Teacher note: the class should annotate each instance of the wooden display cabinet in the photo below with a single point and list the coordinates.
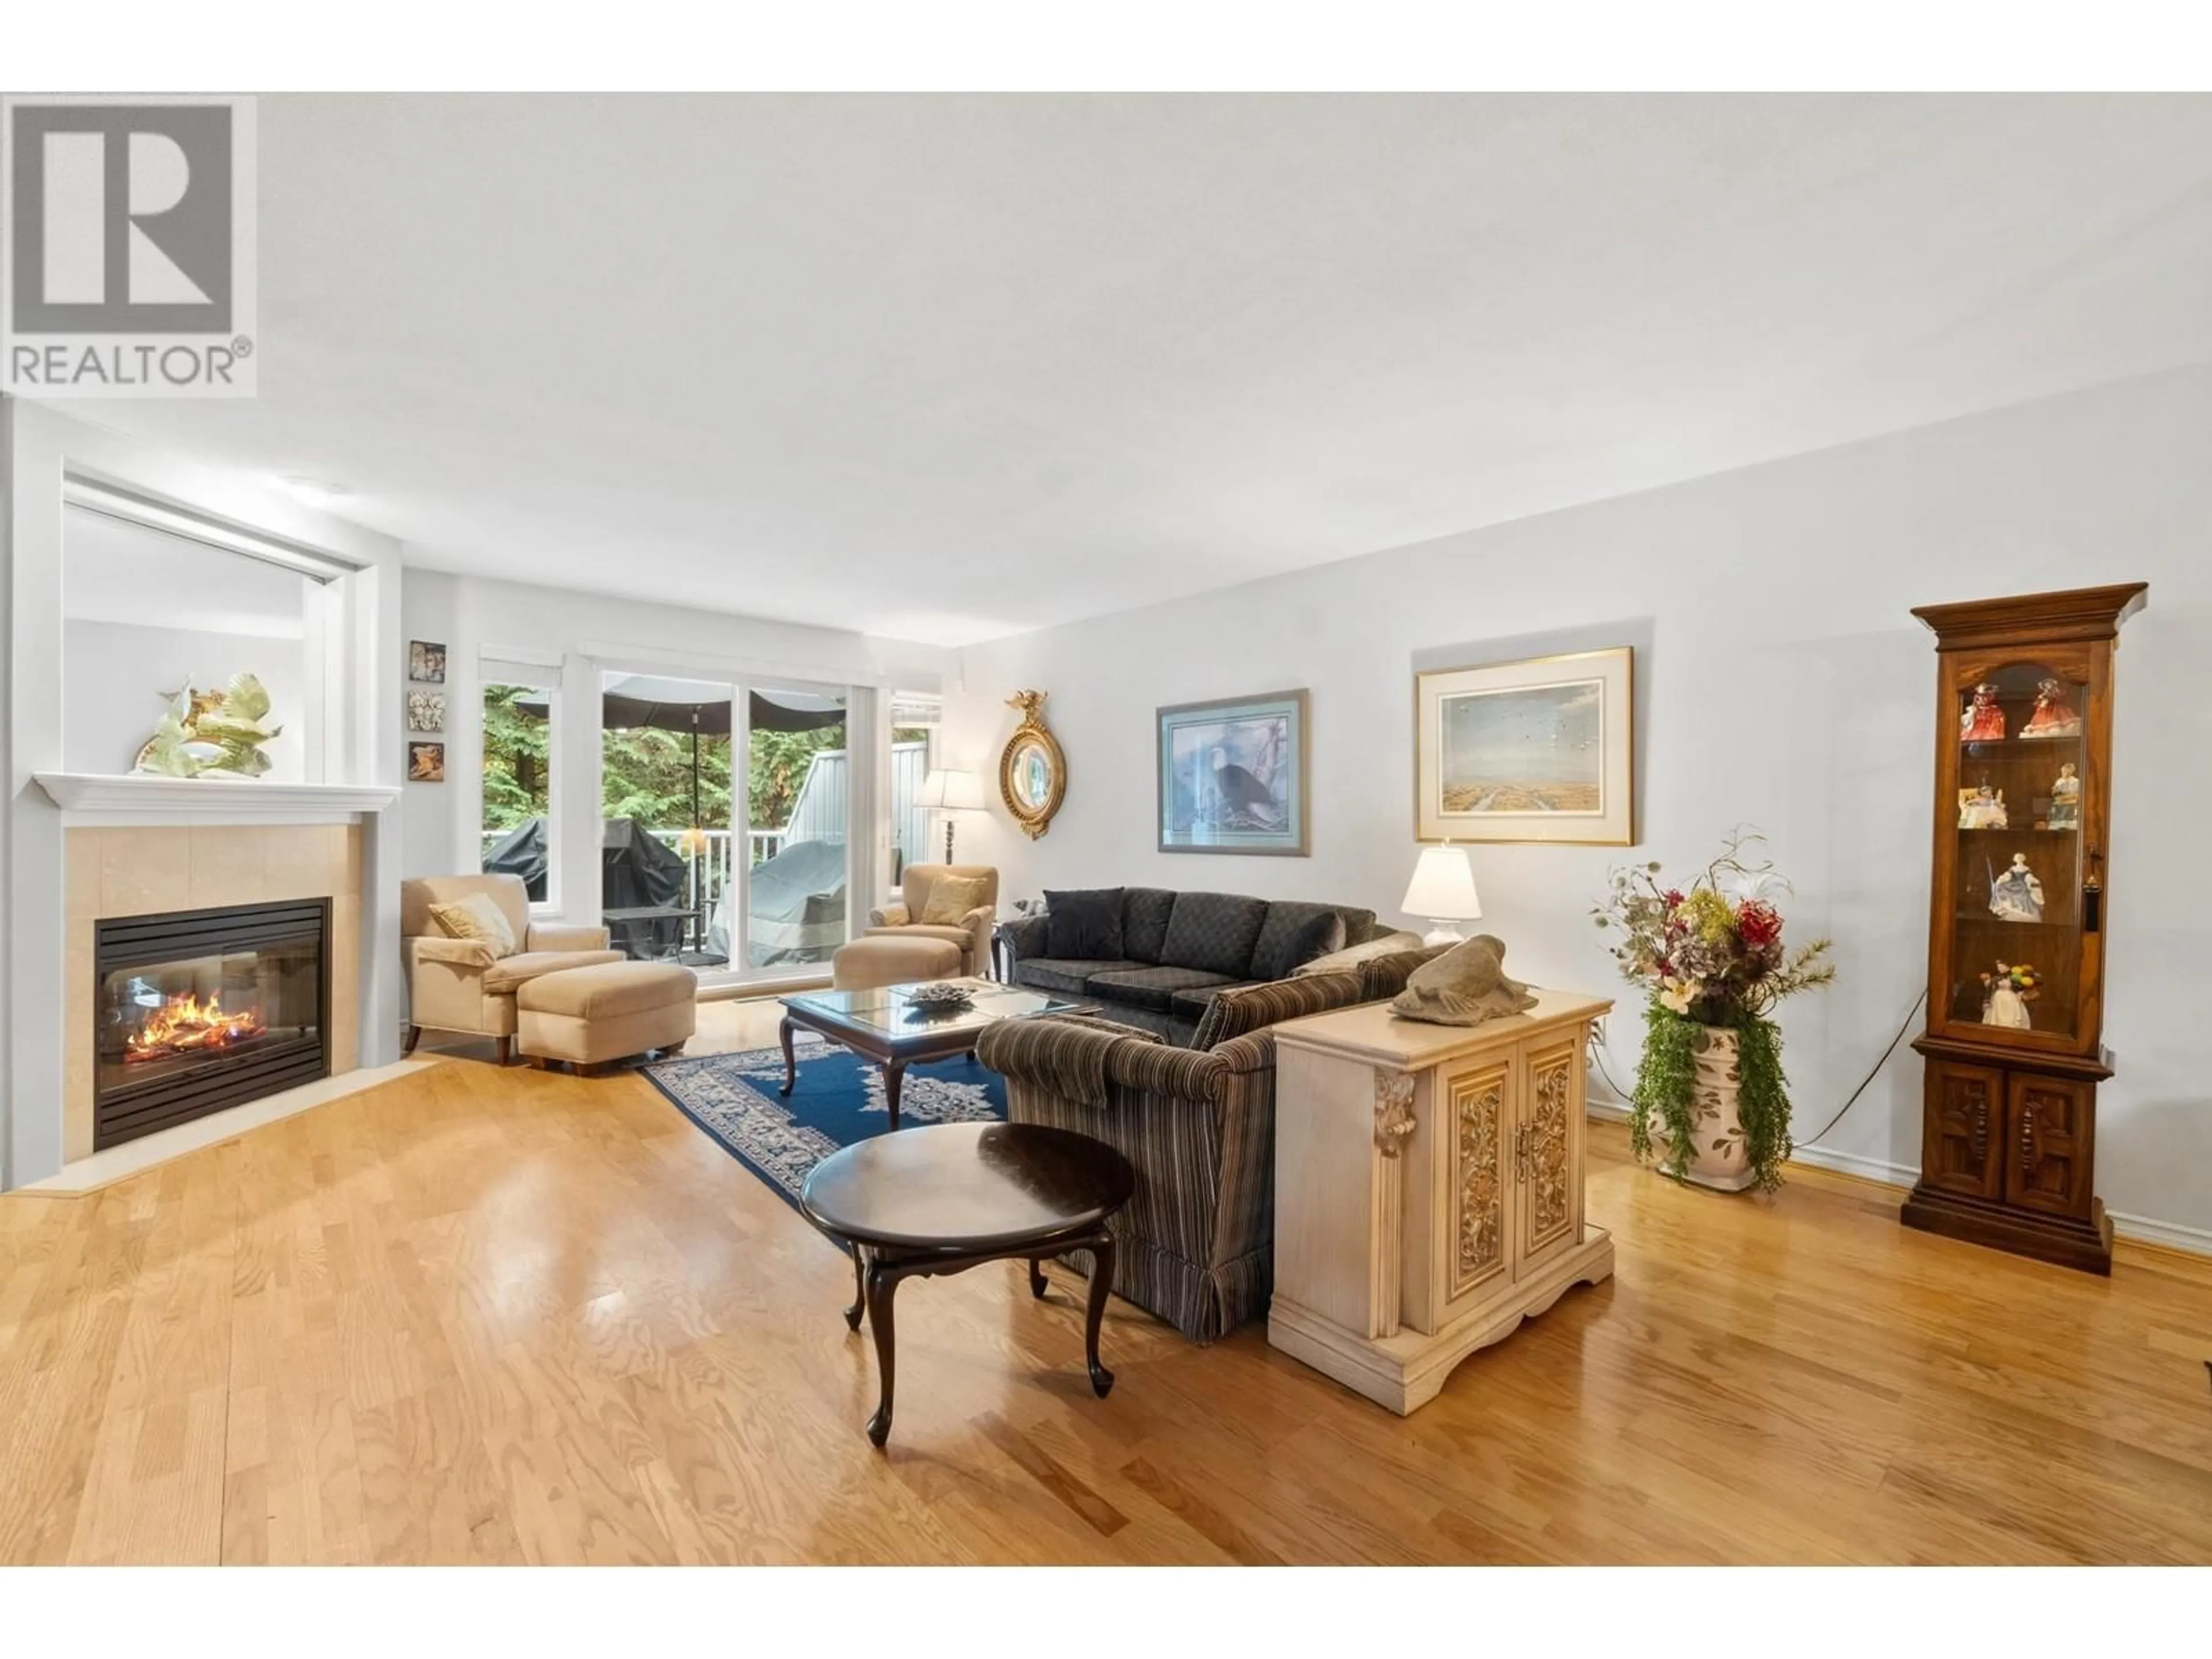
(2016, 942)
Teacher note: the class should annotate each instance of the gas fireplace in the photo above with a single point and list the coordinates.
(197, 1010)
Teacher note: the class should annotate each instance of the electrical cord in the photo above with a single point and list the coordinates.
(1597, 1059)
(1863, 1082)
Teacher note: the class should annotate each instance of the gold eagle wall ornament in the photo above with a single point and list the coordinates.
(1032, 770)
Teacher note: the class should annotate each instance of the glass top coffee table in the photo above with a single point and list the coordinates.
(885, 1026)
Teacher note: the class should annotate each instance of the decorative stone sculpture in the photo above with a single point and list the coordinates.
(1465, 986)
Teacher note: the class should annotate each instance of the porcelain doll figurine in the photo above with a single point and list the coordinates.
(1981, 808)
(2066, 799)
(1982, 721)
(2052, 716)
(2017, 896)
(2008, 991)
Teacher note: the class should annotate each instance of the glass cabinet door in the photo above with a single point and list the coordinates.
(2024, 884)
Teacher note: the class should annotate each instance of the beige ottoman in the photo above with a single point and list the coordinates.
(867, 963)
(589, 1016)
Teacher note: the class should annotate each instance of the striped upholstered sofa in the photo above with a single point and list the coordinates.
(1196, 1243)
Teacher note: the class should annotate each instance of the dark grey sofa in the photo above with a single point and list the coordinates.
(1176, 951)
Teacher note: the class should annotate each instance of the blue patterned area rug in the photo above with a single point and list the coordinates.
(838, 1099)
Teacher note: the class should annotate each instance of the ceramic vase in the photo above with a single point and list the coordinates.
(1719, 1156)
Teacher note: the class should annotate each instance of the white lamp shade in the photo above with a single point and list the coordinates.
(1443, 887)
(948, 791)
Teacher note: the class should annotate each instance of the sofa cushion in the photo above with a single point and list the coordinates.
(511, 972)
(959, 936)
(609, 990)
(1085, 925)
(1149, 988)
(1295, 934)
(1239, 1012)
(1191, 1005)
(1145, 914)
(1214, 931)
(1061, 975)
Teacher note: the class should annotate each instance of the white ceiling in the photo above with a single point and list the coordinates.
(946, 367)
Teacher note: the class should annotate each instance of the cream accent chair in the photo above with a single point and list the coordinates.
(457, 984)
(972, 935)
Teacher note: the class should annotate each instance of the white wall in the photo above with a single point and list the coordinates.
(574, 636)
(115, 674)
(1783, 684)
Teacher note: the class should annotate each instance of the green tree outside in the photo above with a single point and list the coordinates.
(646, 774)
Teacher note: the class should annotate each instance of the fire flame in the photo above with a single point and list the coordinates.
(185, 1024)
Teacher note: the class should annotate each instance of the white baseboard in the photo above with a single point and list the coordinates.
(2196, 1241)
(1874, 1169)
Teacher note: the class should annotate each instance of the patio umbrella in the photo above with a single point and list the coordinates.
(634, 701)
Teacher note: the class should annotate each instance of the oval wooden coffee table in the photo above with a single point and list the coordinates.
(942, 1198)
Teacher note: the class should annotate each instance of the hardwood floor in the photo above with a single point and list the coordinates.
(486, 1315)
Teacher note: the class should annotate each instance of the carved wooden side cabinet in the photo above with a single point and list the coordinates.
(2016, 937)
(1428, 1189)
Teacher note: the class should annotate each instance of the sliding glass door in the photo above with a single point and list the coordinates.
(665, 759)
(725, 825)
(799, 841)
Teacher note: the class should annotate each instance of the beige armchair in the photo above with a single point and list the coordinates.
(458, 984)
(972, 932)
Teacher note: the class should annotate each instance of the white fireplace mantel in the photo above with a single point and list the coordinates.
(139, 798)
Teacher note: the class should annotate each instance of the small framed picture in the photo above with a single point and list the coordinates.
(426, 711)
(426, 763)
(426, 662)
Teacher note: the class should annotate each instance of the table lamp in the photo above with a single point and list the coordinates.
(1442, 890)
(950, 791)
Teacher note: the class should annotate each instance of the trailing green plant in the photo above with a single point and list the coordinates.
(1710, 960)
(1762, 1103)
(1665, 1077)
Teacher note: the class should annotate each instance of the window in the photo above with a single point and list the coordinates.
(516, 832)
(914, 720)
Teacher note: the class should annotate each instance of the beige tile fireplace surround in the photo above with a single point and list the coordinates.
(141, 870)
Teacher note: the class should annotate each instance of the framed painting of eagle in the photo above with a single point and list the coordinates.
(1232, 776)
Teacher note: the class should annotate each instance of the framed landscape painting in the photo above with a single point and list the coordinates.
(1232, 776)
(1537, 750)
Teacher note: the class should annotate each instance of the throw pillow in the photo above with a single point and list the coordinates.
(1215, 932)
(478, 918)
(950, 899)
(1294, 934)
(1350, 958)
(1084, 927)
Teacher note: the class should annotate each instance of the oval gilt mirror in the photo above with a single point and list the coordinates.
(1032, 771)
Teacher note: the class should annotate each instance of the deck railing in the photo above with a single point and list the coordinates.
(710, 871)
